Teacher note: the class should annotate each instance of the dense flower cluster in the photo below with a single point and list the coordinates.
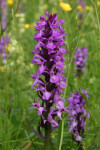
(3, 21)
(81, 58)
(49, 81)
(77, 114)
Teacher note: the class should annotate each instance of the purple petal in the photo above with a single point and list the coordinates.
(46, 95)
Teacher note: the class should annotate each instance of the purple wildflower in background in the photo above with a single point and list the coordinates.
(81, 56)
(77, 115)
(3, 14)
(3, 45)
(49, 81)
(80, 11)
(4, 40)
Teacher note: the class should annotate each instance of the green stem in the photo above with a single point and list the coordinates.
(61, 126)
(47, 138)
(60, 134)
(80, 146)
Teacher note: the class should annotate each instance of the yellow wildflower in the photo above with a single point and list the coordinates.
(8, 47)
(88, 7)
(98, 3)
(45, 5)
(79, 8)
(1, 69)
(53, 136)
(65, 6)
(10, 2)
(17, 15)
(26, 26)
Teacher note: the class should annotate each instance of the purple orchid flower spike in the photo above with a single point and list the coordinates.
(4, 40)
(3, 14)
(49, 81)
(81, 56)
(77, 115)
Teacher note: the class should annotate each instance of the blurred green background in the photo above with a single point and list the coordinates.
(16, 95)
